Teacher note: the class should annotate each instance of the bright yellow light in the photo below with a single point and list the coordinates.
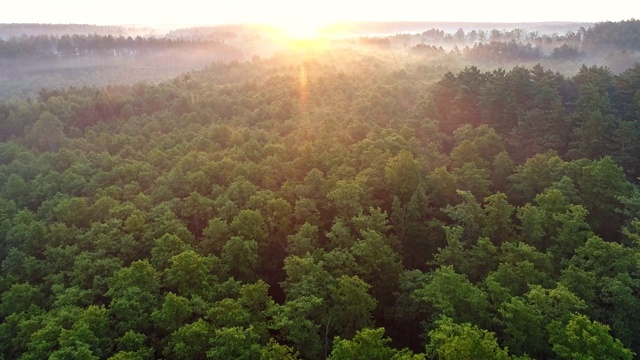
(301, 20)
(300, 28)
(304, 89)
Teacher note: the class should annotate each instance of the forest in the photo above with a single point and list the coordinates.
(353, 200)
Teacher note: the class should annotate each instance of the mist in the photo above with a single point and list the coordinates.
(34, 56)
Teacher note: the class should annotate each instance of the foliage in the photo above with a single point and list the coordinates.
(292, 206)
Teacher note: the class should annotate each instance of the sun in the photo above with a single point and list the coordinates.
(299, 28)
(301, 20)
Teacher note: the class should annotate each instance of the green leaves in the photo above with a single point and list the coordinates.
(190, 341)
(240, 256)
(234, 343)
(351, 305)
(347, 198)
(452, 341)
(47, 133)
(250, 225)
(294, 322)
(368, 344)
(452, 295)
(191, 274)
(174, 312)
(584, 339)
(403, 175)
(214, 216)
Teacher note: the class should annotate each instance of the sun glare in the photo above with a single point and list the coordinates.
(300, 29)
(301, 22)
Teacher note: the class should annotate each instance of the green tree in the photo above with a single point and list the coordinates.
(498, 224)
(294, 323)
(165, 248)
(529, 320)
(594, 125)
(627, 148)
(47, 133)
(92, 271)
(524, 328)
(234, 343)
(164, 223)
(409, 225)
(240, 256)
(369, 344)
(535, 175)
(502, 168)
(541, 128)
(16, 189)
(131, 309)
(351, 306)
(555, 225)
(306, 240)
(250, 224)
(173, 313)
(451, 341)
(472, 178)
(340, 235)
(474, 261)
(275, 351)
(25, 234)
(603, 274)
(441, 186)
(452, 295)
(514, 278)
(197, 209)
(139, 274)
(190, 341)
(305, 277)
(402, 175)
(584, 339)
(19, 298)
(378, 265)
(214, 236)
(469, 216)
(347, 198)
(132, 346)
(191, 274)
(603, 186)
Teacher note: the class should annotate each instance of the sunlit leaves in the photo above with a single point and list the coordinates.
(368, 344)
(453, 341)
(582, 338)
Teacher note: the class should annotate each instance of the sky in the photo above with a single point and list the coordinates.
(312, 12)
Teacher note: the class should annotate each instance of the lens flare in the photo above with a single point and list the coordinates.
(304, 89)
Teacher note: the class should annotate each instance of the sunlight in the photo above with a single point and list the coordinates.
(304, 90)
(301, 22)
(300, 28)
(302, 33)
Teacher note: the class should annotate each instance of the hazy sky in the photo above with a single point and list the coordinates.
(315, 12)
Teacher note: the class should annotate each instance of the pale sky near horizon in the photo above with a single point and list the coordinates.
(146, 12)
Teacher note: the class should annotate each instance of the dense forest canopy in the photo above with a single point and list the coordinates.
(357, 199)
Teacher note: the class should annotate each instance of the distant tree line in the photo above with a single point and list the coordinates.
(17, 29)
(520, 44)
(622, 35)
(79, 46)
